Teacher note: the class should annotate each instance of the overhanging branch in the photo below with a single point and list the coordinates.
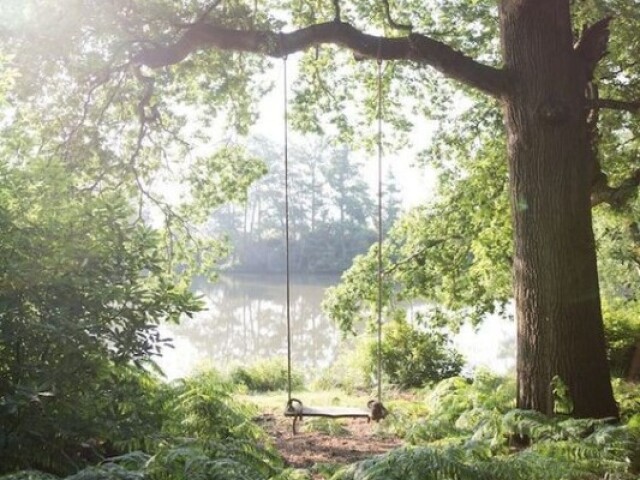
(612, 104)
(414, 47)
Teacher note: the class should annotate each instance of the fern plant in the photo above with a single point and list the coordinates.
(213, 460)
(415, 463)
(467, 433)
(203, 407)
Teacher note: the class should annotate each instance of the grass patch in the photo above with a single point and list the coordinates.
(328, 426)
(270, 402)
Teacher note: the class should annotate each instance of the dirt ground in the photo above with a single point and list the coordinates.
(351, 440)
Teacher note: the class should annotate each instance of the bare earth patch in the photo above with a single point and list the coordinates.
(354, 440)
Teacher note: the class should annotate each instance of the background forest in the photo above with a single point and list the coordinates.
(332, 212)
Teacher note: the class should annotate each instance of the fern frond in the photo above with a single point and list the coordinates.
(132, 460)
(530, 465)
(415, 463)
(29, 475)
(577, 428)
(529, 424)
(108, 471)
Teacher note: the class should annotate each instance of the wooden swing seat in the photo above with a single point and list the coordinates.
(298, 411)
(330, 412)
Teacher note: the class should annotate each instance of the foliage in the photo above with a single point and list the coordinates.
(628, 398)
(265, 376)
(618, 257)
(327, 426)
(453, 253)
(29, 475)
(201, 432)
(462, 429)
(472, 431)
(75, 90)
(205, 434)
(212, 459)
(202, 407)
(82, 292)
(414, 355)
(351, 371)
(458, 408)
(622, 329)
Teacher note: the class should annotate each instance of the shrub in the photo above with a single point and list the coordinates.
(266, 376)
(86, 294)
(203, 407)
(414, 356)
(622, 331)
(628, 397)
(61, 431)
(351, 371)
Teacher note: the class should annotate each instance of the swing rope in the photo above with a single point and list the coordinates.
(379, 303)
(286, 223)
(381, 413)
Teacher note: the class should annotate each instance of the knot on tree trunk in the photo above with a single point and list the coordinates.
(553, 112)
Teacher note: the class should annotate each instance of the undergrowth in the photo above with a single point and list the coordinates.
(204, 434)
(471, 430)
(458, 430)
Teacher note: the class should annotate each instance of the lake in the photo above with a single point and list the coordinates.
(245, 321)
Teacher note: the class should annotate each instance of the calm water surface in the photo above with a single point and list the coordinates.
(245, 321)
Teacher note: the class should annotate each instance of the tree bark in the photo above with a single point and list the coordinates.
(633, 373)
(560, 329)
(415, 47)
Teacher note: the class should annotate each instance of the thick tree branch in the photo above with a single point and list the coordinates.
(592, 45)
(392, 23)
(612, 104)
(415, 47)
(336, 8)
(618, 196)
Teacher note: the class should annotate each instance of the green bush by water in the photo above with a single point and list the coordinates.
(412, 356)
(266, 376)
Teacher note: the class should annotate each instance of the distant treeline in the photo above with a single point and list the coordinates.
(332, 213)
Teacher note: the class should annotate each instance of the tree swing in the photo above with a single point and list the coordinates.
(375, 410)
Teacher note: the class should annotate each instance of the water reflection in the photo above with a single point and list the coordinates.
(245, 320)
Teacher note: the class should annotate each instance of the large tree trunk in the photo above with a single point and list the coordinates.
(560, 330)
